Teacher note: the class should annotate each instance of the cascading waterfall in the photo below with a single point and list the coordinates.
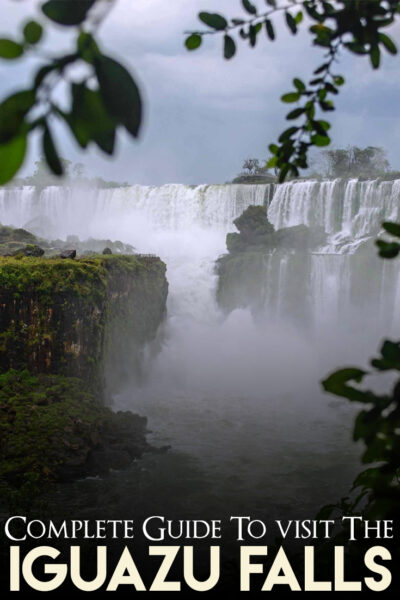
(241, 395)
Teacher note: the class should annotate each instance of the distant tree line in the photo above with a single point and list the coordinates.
(356, 162)
(368, 163)
(73, 173)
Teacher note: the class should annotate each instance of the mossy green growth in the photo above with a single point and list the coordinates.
(52, 428)
(46, 421)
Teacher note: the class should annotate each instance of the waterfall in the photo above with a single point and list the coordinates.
(84, 210)
(240, 393)
(187, 226)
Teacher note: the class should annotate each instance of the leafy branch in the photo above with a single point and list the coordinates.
(343, 24)
(96, 110)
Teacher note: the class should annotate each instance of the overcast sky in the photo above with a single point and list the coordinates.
(204, 115)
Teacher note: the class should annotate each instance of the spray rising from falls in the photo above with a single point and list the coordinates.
(222, 387)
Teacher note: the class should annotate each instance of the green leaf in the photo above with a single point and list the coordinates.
(320, 127)
(320, 140)
(388, 43)
(375, 56)
(50, 152)
(229, 47)
(120, 93)
(339, 80)
(392, 228)
(272, 162)
(291, 23)
(388, 249)
(10, 49)
(214, 20)
(67, 12)
(89, 120)
(283, 173)
(12, 156)
(326, 106)
(270, 29)
(273, 148)
(337, 384)
(193, 41)
(12, 114)
(391, 352)
(87, 47)
(287, 134)
(249, 7)
(290, 97)
(294, 114)
(299, 84)
(33, 32)
(321, 69)
(298, 18)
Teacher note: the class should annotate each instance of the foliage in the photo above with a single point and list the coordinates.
(73, 173)
(54, 429)
(378, 427)
(103, 100)
(251, 165)
(44, 421)
(343, 25)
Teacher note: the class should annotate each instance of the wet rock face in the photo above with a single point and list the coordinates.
(73, 317)
(254, 259)
(257, 233)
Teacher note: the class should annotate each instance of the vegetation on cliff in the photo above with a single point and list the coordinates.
(64, 325)
(53, 428)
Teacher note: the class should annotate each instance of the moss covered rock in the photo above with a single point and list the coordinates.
(58, 315)
(52, 428)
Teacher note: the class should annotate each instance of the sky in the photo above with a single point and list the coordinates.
(204, 115)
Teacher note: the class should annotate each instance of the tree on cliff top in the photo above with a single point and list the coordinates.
(251, 165)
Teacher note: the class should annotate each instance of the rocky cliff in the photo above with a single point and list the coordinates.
(70, 317)
(258, 256)
(68, 328)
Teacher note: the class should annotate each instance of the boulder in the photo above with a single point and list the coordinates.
(253, 223)
(29, 250)
(68, 254)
